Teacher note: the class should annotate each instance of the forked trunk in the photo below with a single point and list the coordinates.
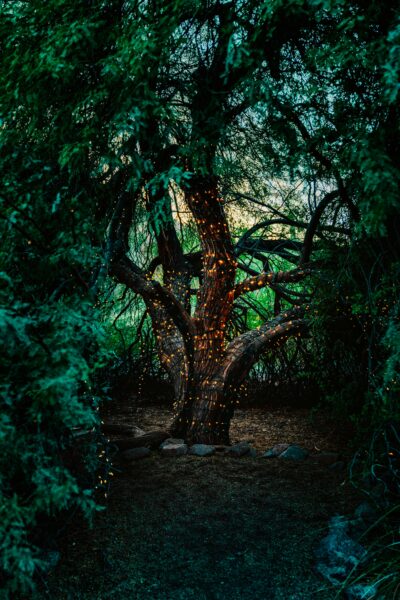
(205, 408)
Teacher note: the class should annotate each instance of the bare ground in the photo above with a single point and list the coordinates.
(214, 528)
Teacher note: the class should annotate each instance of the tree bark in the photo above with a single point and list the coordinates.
(205, 414)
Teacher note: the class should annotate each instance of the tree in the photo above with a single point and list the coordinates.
(206, 69)
(208, 102)
(223, 85)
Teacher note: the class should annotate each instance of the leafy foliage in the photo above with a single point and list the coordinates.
(51, 337)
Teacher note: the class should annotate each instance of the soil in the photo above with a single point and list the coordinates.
(217, 528)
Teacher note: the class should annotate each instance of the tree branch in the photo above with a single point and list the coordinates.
(293, 117)
(312, 227)
(126, 272)
(266, 279)
(285, 220)
(243, 352)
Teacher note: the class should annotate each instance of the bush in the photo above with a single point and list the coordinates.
(51, 347)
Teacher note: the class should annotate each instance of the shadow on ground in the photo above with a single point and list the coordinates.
(216, 528)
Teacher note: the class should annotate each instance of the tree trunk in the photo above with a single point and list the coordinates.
(204, 414)
(206, 407)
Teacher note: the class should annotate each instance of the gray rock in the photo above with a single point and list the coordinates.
(239, 449)
(268, 454)
(135, 454)
(275, 451)
(361, 591)
(171, 441)
(174, 449)
(338, 554)
(294, 453)
(202, 450)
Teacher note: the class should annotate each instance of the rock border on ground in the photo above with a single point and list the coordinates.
(202, 450)
(173, 447)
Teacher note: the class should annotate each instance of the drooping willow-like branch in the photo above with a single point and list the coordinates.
(285, 220)
(312, 227)
(319, 156)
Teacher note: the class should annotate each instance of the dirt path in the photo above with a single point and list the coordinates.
(214, 528)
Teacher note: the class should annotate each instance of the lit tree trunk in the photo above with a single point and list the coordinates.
(207, 408)
(218, 369)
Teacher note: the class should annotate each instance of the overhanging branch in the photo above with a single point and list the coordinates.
(323, 160)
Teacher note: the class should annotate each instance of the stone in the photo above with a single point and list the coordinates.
(202, 450)
(294, 453)
(135, 454)
(174, 449)
(338, 554)
(239, 449)
(171, 441)
(361, 591)
(275, 451)
(268, 454)
(326, 458)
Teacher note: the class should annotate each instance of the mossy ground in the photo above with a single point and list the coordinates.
(214, 528)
